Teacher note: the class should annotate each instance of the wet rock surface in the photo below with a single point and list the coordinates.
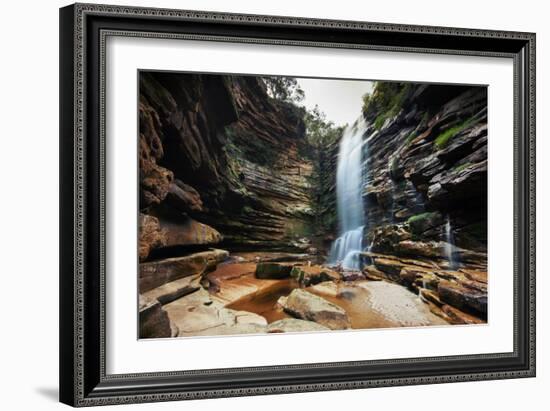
(241, 303)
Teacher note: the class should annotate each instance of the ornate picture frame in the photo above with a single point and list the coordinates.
(84, 29)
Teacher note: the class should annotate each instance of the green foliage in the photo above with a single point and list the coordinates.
(419, 217)
(443, 139)
(380, 120)
(320, 132)
(385, 101)
(284, 88)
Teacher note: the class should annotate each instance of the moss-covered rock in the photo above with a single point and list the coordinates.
(421, 223)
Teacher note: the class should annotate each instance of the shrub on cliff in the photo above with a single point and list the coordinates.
(385, 101)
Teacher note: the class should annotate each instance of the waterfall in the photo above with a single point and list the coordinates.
(449, 239)
(351, 212)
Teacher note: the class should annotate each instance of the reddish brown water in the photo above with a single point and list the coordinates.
(368, 304)
(264, 302)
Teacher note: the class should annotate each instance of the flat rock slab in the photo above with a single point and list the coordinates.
(198, 315)
(225, 272)
(399, 305)
(292, 325)
(274, 257)
(171, 291)
(156, 273)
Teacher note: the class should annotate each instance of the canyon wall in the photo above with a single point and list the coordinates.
(426, 162)
(220, 163)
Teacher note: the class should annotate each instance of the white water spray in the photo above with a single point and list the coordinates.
(351, 212)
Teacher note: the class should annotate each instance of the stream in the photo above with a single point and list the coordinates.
(368, 304)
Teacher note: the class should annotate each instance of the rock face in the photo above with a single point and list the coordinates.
(427, 164)
(225, 138)
(223, 164)
(307, 306)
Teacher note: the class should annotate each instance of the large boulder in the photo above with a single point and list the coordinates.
(153, 320)
(156, 273)
(308, 275)
(173, 290)
(189, 232)
(292, 325)
(307, 306)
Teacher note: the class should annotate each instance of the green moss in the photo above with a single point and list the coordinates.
(462, 167)
(418, 217)
(380, 120)
(411, 137)
(419, 223)
(443, 139)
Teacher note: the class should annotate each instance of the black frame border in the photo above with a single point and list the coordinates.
(83, 30)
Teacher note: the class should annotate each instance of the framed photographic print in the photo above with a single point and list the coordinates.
(259, 204)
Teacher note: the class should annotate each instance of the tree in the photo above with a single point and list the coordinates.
(284, 88)
(320, 132)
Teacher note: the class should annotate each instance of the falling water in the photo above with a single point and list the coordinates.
(449, 239)
(351, 212)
